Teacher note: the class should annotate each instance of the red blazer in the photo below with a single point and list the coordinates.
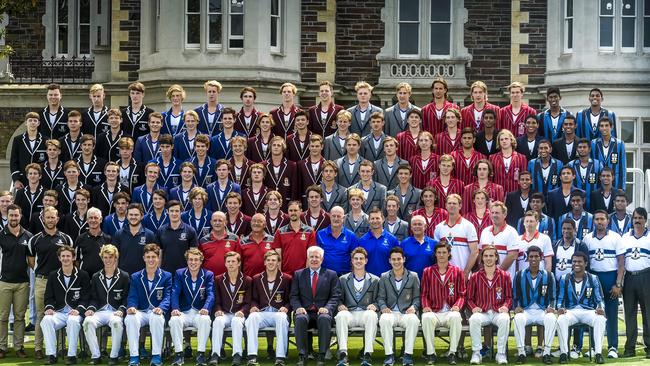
(515, 123)
(508, 179)
(468, 120)
(240, 123)
(422, 175)
(280, 222)
(232, 302)
(407, 146)
(277, 297)
(494, 191)
(254, 151)
(281, 127)
(444, 144)
(439, 215)
(243, 180)
(464, 168)
(249, 205)
(489, 296)
(285, 182)
(323, 127)
(241, 226)
(487, 221)
(307, 177)
(322, 222)
(296, 153)
(430, 120)
(436, 292)
(455, 186)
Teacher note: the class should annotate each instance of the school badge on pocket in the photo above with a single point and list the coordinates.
(159, 295)
(499, 293)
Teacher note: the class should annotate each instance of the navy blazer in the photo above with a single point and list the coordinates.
(328, 290)
(144, 298)
(184, 297)
(522, 147)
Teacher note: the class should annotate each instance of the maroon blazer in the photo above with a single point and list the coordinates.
(322, 222)
(285, 182)
(280, 222)
(244, 179)
(296, 153)
(281, 127)
(241, 226)
(307, 177)
(240, 123)
(232, 302)
(323, 127)
(254, 150)
(249, 205)
(277, 297)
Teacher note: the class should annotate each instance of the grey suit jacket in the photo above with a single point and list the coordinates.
(332, 149)
(408, 295)
(376, 196)
(344, 177)
(339, 197)
(368, 150)
(400, 229)
(393, 122)
(362, 126)
(410, 203)
(360, 228)
(367, 296)
(383, 176)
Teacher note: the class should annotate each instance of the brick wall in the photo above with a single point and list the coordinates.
(26, 33)
(359, 38)
(10, 119)
(132, 46)
(536, 47)
(487, 37)
(309, 46)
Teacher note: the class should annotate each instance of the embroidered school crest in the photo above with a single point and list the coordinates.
(635, 253)
(227, 244)
(588, 292)
(118, 296)
(562, 264)
(240, 297)
(175, 180)
(97, 179)
(451, 289)
(450, 239)
(304, 237)
(267, 246)
(183, 236)
(278, 297)
(143, 240)
(554, 179)
(202, 293)
(614, 158)
(76, 295)
(286, 182)
(544, 287)
(499, 293)
(599, 254)
(159, 295)
(592, 178)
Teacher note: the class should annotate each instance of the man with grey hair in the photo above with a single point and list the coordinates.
(337, 242)
(89, 243)
(315, 294)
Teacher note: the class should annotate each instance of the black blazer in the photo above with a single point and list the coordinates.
(513, 203)
(555, 204)
(328, 291)
(597, 201)
(479, 144)
(115, 295)
(522, 147)
(559, 150)
(99, 198)
(76, 295)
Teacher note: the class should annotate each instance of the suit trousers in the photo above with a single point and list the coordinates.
(190, 318)
(478, 320)
(97, 320)
(134, 322)
(15, 294)
(51, 323)
(535, 316)
(366, 319)
(607, 281)
(450, 319)
(634, 295)
(322, 322)
(39, 300)
(236, 324)
(263, 319)
(410, 322)
(584, 316)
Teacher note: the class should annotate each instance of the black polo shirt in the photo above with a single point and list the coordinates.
(15, 268)
(174, 244)
(44, 248)
(87, 247)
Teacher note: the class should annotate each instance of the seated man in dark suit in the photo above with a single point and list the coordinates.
(315, 294)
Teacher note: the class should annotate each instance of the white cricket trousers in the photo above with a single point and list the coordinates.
(138, 320)
(51, 323)
(190, 318)
(448, 319)
(236, 324)
(583, 316)
(535, 316)
(478, 320)
(366, 319)
(99, 319)
(264, 319)
(409, 322)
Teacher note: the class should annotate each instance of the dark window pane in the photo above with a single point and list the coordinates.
(440, 39)
(237, 26)
(606, 7)
(627, 131)
(569, 8)
(62, 11)
(409, 10)
(570, 34)
(646, 161)
(275, 8)
(646, 132)
(647, 7)
(440, 10)
(606, 28)
(627, 38)
(214, 6)
(194, 29)
(193, 6)
(236, 6)
(408, 39)
(214, 32)
(63, 39)
(646, 32)
(84, 39)
(629, 7)
(236, 43)
(84, 11)
(274, 32)
(629, 162)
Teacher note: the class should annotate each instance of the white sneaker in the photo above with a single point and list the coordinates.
(574, 354)
(539, 352)
(591, 353)
(476, 358)
(528, 350)
(502, 359)
(613, 353)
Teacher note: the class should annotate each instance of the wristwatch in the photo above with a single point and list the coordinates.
(619, 285)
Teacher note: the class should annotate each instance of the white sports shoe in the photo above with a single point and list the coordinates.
(613, 353)
(476, 358)
(502, 359)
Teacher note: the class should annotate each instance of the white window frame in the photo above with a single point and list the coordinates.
(418, 54)
(600, 18)
(213, 46)
(78, 29)
(186, 16)
(58, 25)
(424, 23)
(634, 18)
(646, 22)
(231, 14)
(569, 23)
(278, 27)
(73, 8)
(451, 29)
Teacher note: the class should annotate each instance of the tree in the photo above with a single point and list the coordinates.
(12, 8)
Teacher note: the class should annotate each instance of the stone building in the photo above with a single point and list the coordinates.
(572, 44)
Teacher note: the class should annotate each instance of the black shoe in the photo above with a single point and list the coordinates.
(628, 353)
(200, 359)
(546, 359)
(113, 361)
(343, 359)
(302, 360)
(179, 360)
(431, 359)
(236, 359)
(188, 352)
(21, 353)
(366, 360)
(389, 360)
(321, 360)
(214, 359)
(521, 359)
(599, 359)
(279, 361)
(564, 358)
(407, 360)
(38, 354)
(72, 360)
(50, 360)
(252, 361)
(452, 358)
(270, 353)
(30, 327)
(95, 361)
